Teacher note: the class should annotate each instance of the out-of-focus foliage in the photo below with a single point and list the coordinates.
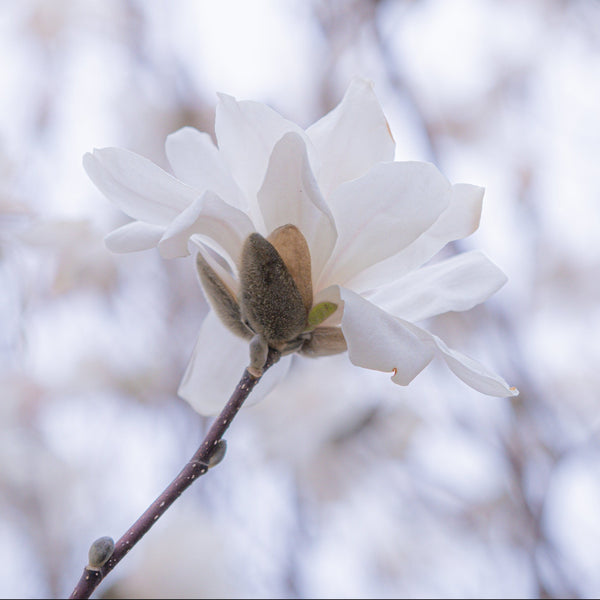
(340, 484)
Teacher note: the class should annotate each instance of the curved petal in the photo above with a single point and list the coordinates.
(469, 370)
(352, 137)
(377, 340)
(459, 220)
(134, 237)
(196, 161)
(290, 195)
(458, 283)
(381, 213)
(137, 186)
(473, 373)
(211, 217)
(216, 366)
(246, 133)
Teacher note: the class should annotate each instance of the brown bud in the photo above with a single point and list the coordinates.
(270, 301)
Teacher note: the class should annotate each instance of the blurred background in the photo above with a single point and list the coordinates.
(340, 484)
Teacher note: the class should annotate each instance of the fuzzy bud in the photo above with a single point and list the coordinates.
(100, 551)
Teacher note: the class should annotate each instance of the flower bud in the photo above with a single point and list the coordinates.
(270, 301)
(218, 454)
(100, 551)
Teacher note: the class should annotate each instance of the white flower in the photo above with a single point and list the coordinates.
(370, 224)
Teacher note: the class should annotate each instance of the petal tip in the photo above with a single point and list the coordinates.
(394, 377)
(362, 81)
(88, 159)
(108, 243)
(223, 98)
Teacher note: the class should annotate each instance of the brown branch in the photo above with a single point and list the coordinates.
(198, 465)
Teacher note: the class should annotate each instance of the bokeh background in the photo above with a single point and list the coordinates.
(340, 484)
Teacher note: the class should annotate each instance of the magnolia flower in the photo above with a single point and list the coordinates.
(309, 241)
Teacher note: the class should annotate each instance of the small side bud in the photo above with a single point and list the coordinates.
(218, 454)
(100, 551)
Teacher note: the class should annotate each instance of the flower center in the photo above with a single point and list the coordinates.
(274, 306)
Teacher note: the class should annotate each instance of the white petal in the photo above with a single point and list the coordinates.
(458, 284)
(137, 186)
(459, 220)
(246, 134)
(472, 372)
(211, 217)
(134, 237)
(377, 340)
(195, 160)
(352, 137)
(290, 195)
(381, 213)
(217, 365)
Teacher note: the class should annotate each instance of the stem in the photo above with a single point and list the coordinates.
(198, 465)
